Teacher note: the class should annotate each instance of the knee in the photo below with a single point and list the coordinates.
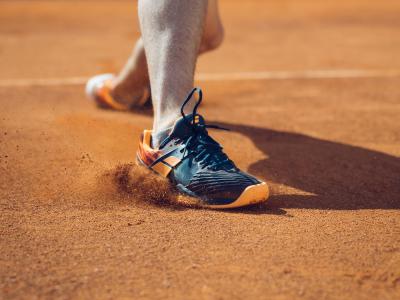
(212, 41)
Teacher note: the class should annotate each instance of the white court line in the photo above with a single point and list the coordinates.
(234, 76)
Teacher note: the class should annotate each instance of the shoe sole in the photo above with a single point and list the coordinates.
(253, 194)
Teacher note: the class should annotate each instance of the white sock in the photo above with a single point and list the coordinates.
(159, 137)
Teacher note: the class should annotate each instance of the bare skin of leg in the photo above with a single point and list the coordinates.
(171, 32)
(131, 82)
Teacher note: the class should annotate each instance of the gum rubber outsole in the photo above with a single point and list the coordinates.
(253, 194)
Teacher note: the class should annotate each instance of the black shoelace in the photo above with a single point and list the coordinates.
(206, 151)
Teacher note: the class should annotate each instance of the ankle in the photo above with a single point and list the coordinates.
(157, 137)
(163, 123)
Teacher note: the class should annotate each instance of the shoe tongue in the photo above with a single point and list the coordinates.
(182, 129)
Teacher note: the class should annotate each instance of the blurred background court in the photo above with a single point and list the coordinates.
(311, 90)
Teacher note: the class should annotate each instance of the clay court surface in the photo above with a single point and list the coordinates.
(74, 225)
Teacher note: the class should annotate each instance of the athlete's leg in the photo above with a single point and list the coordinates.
(131, 82)
(213, 33)
(171, 31)
(193, 162)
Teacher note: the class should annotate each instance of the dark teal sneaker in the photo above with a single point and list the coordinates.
(195, 163)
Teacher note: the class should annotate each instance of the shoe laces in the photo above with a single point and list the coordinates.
(206, 151)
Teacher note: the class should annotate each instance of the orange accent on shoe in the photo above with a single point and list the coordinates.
(147, 138)
(147, 154)
(162, 169)
(172, 161)
(104, 97)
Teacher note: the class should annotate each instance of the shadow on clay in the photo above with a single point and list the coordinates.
(338, 176)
